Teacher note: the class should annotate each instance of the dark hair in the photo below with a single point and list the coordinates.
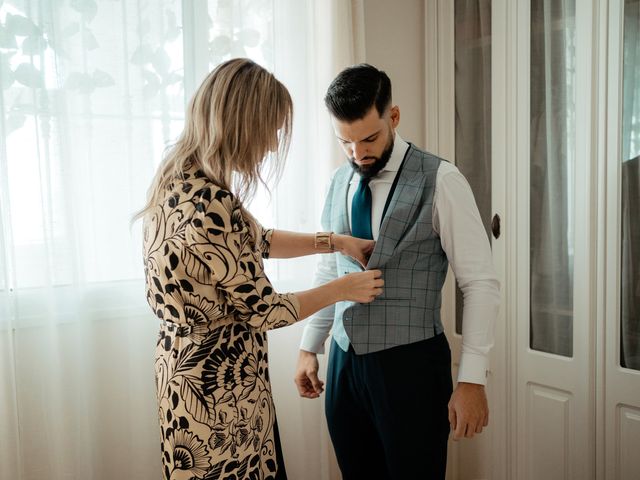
(355, 90)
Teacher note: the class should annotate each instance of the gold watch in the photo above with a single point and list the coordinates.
(322, 241)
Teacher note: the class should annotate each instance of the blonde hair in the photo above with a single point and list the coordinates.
(240, 115)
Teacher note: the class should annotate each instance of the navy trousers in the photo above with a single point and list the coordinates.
(387, 410)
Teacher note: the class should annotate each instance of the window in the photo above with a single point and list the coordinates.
(552, 156)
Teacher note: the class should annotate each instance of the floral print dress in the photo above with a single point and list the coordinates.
(206, 283)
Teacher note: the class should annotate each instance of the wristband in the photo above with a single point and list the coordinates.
(322, 241)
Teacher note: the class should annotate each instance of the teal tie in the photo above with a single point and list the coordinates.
(361, 228)
(361, 211)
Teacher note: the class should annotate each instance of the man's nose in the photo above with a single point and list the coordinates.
(359, 151)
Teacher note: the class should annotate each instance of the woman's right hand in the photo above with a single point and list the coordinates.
(361, 287)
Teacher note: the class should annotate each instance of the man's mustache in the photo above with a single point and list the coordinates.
(366, 158)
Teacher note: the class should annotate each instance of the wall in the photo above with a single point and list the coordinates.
(394, 42)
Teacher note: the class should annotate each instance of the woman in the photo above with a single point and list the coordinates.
(205, 280)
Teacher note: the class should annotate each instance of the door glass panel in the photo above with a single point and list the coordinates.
(473, 107)
(630, 281)
(552, 153)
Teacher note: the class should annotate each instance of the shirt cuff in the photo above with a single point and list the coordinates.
(473, 368)
(313, 340)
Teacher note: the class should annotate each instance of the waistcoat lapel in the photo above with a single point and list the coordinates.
(340, 220)
(405, 201)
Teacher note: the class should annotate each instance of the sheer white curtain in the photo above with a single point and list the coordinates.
(473, 108)
(90, 93)
(630, 281)
(552, 166)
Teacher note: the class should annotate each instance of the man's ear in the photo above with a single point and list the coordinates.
(394, 115)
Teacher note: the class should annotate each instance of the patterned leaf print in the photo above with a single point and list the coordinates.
(217, 220)
(173, 312)
(242, 468)
(158, 285)
(244, 288)
(173, 261)
(243, 433)
(193, 354)
(186, 286)
(215, 472)
(194, 400)
(155, 230)
(195, 268)
(228, 398)
(186, 187)
(173, 200)
(162, 376)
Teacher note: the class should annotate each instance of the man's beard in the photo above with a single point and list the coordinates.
(370, 171)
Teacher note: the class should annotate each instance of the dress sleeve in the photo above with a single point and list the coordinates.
(219, 237)
(264, 245)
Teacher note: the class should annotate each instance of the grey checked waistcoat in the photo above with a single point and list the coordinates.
(409, 253)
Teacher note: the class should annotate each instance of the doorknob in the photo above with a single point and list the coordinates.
(495, 226)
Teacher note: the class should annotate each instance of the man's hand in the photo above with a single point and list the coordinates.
(309, 386)
(468, 410)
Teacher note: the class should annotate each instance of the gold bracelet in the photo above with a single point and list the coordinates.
(322, 241)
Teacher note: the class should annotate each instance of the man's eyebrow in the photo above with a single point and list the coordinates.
(364, 139)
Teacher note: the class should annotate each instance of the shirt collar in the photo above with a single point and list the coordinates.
(397, 154)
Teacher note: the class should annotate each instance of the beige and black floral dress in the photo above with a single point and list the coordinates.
(205, 281)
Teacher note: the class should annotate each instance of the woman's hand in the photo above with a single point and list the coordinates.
(357, 248)
(361, 287)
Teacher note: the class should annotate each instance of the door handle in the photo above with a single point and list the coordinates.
(495, 226)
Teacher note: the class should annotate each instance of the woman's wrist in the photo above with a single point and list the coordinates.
(337, 241)
(337, 290)
(324, 242)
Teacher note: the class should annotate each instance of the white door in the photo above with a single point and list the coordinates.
(559, 383)
(553, 298)
(542, 186)
(519, 151)
(621, 257)
(564, 178)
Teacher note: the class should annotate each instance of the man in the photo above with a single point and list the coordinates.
(389, 402)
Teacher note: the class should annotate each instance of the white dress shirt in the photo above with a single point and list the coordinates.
(457, 221)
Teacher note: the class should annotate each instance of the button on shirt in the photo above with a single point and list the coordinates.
(457, 221)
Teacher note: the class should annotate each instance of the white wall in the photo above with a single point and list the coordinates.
(394, 42)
